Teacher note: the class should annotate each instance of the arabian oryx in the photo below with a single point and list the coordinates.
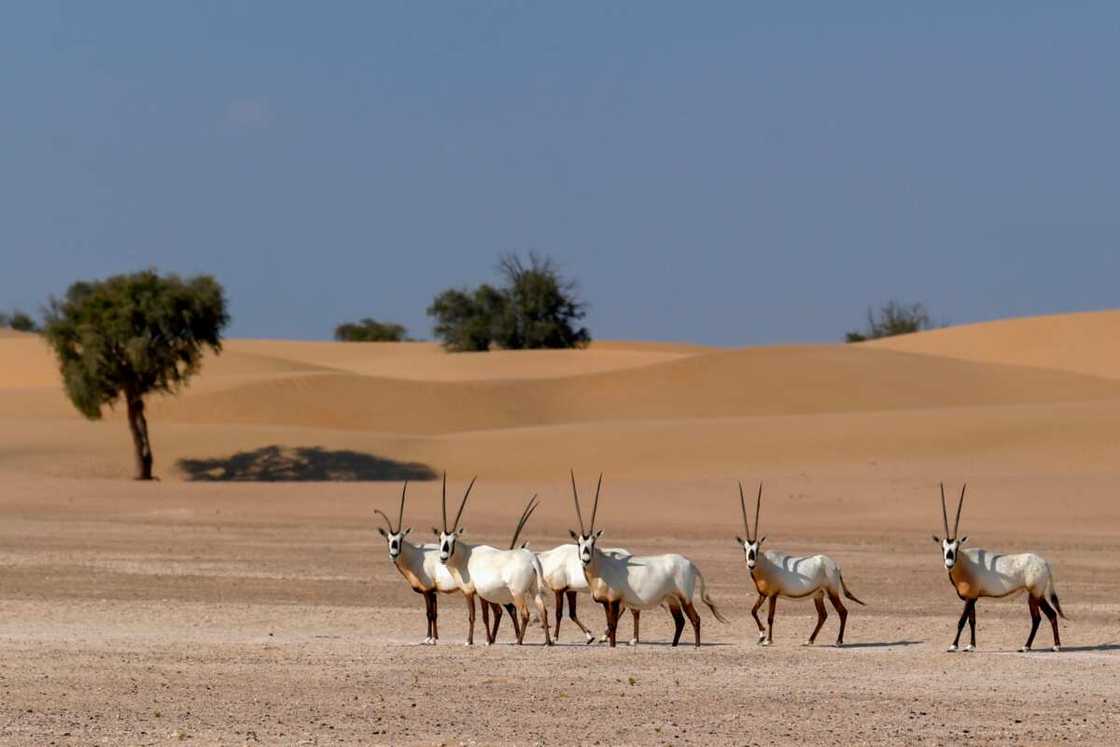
(497, 576)
(978, 573)
(563, 573)
(420, 566)
(639, 582)
(776, 574)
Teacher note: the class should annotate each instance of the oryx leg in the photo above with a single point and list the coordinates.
(678, 622)
(822, 615)
(486, 622)
(972, 626)
(614, 609)
(637, 614)
(1036, 618)
(518, 627)
(470, 619)
(497, 610)
(427, 618)
(523, 609)
(1053, 617)
(572, 614)
(543, 612)
(434, 615)
(559, 612)
(960, 623)
(770, 620)
(843, 612)
(694, 616)
(754, 613)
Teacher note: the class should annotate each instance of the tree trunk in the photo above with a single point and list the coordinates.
(138, 425)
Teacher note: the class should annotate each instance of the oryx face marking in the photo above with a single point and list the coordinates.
(950, 550)
(586, 545)
(447, 545)
(751, 550)
(394, 540)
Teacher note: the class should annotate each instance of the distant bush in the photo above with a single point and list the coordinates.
(19, 321)
(892, 318)
(535, 307)
(370, 330)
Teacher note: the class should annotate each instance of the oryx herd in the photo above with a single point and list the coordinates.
(517, 579)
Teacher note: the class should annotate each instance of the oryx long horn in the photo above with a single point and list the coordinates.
(386, 518)
(944, 512)
(400, 516)
(757, 506)
(575, 495)
(743, 505)
(530, 507)
(595, 508)
(464, 503)
(957, 523)
(445, 501)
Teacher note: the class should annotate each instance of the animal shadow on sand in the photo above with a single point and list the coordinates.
(1098, 647)
(882, 644)
(302, 464)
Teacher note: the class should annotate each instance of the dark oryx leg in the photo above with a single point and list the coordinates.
(960, 623)
(694, 616)
(843, 612)
(1053, 617)
(637, 614)
(433, 605)
(525, 623)
(518, 628)
(572, 614)
(497, 610)
(614, 609)
(559, 613)
(470, 618)
(678, 621)
(427, 616)
(822, 615)
(770, 620)
(972, 626)
(754, 613)
(1036, 618)
(486, 622)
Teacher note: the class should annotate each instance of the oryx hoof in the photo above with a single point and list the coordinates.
(839, 644)
(969, 648)
(1024, 649)
(1056, 649)
(765, 642)
(633, 642)
(952, 649)
(809, 642)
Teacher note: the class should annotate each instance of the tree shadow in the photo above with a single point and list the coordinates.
(302, 464)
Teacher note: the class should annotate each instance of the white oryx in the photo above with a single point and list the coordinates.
(639, 582)
(563, 573)
(420, 566)
(776, 574)
(976, 573)
(500, 577)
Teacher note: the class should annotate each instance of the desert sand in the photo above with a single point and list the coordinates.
(247, 598)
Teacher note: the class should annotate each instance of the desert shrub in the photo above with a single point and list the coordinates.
(892, 318)
(19, 321)
(129, 336)
(535, 307)
(370, 330)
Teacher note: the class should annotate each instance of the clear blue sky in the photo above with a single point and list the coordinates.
(732, 173)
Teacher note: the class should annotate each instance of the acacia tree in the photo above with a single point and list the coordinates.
(370, 330)
(129, 336)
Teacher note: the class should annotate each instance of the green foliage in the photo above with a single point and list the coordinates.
(534, 308)
(893, 318)
(19, 321)
(130, 335)
(370, 330)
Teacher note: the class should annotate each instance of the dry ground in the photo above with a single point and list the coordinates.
(214, 608)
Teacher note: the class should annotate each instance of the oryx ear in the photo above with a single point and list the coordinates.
(407, 532)
(599, 534)
(435, 531)
(762, 540)
(738, 540)
(461, 531)
(962, 540)
(574, 535)
(936, 538)
(382, 532)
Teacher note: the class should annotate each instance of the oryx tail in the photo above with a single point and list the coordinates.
(848, 592)
(1054, 592)
(707, 599)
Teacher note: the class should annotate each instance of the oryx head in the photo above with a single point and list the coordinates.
(950, 546)
(587, 536)
(451, 533)
(752, 545)
(394, 537)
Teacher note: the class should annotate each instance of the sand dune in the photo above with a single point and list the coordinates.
(1084, 343)
(1040, 387)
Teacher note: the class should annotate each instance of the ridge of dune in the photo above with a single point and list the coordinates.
(751, 381)
(1082, 342)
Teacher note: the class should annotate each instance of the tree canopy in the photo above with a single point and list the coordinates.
(128, 336)
(892, 318)
(370, 330)
(534, 307)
